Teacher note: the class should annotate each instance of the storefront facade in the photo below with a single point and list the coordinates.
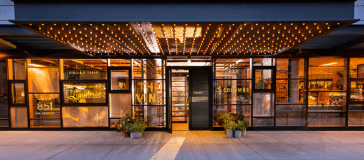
(180, 71)
(272, 93)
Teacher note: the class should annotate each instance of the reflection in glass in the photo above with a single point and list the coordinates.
(262, 61)
(44, 106)
(356, 115)
(120, 104)
(119, 80)
(43, 63)
(290, 68)
(264, 105)
(85, 116)
(326, 119)
(43, 80)
(263, 79)
(85, 69)
(232, 92)
(19, 69)
(18, 95)
(232, 69)
(18, 117)
(290, 115)
(263, 122)
(119, 62)
(356, 67)
(84, 92)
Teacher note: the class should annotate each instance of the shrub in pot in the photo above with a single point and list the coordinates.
(240, 128)
(136, 128)
(122, 123)
(229, 124)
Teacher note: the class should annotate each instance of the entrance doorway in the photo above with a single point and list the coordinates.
(189, 98)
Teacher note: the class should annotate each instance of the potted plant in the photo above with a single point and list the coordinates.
(240, 129)
(122, 123)
(229, 124)
(136, 128)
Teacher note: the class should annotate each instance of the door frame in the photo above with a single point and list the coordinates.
(169, 90)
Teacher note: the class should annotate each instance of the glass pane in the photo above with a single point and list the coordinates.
(356, 115)
(326, 101)
(18, 117)
(43, 63)
(356, 67)
(262, 61)
(263, 122)
(356, 91)
(113, 122)
(263, 104)
(232, 69)
(120, 104)
(243, 109)
(290, 91)
(4, 112)
(19, 69)
(85, 69)
(18, 94)
(148, 92)
(290, 115)
(290, 68)
(326, 119)
(137, 69)
(44, 106)
(263, 78)
(85, 116)
(232, 91)
(43, 80)
(153, 68)
(84, 92)
(156, 116)
(327, 73)
(119, 62)
(4, 123)
(119, 79)
(48, 123)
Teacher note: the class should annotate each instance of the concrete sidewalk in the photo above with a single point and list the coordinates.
(182, 145)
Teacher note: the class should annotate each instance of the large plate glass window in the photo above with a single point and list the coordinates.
(82, 92)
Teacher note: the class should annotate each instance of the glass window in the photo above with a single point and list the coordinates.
(18, 93)
(356, 67)
(232, 69)
(119, 62)
(243, 109)
(263, 78)
(19, 69)
(153, 115)
(43, 80)
(290, 68)
(43, 63)
(149, 92)
(84, 92)
(232, 91)
(326, 119)
(326, 101)
(120, 104)
(85, 69)
(356, 115)
(120, 79)
(265, 106)
(356, 91)
(18, 117)
(44, 106)
(85, 116)
(263, 62)
(290, 115)
(290, 91)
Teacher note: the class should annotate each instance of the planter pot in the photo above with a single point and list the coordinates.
(237, 134)
(135, 135)
(125, 134)
(244, 133)
(229, 133)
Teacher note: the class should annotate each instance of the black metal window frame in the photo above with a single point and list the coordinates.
(109, 69)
